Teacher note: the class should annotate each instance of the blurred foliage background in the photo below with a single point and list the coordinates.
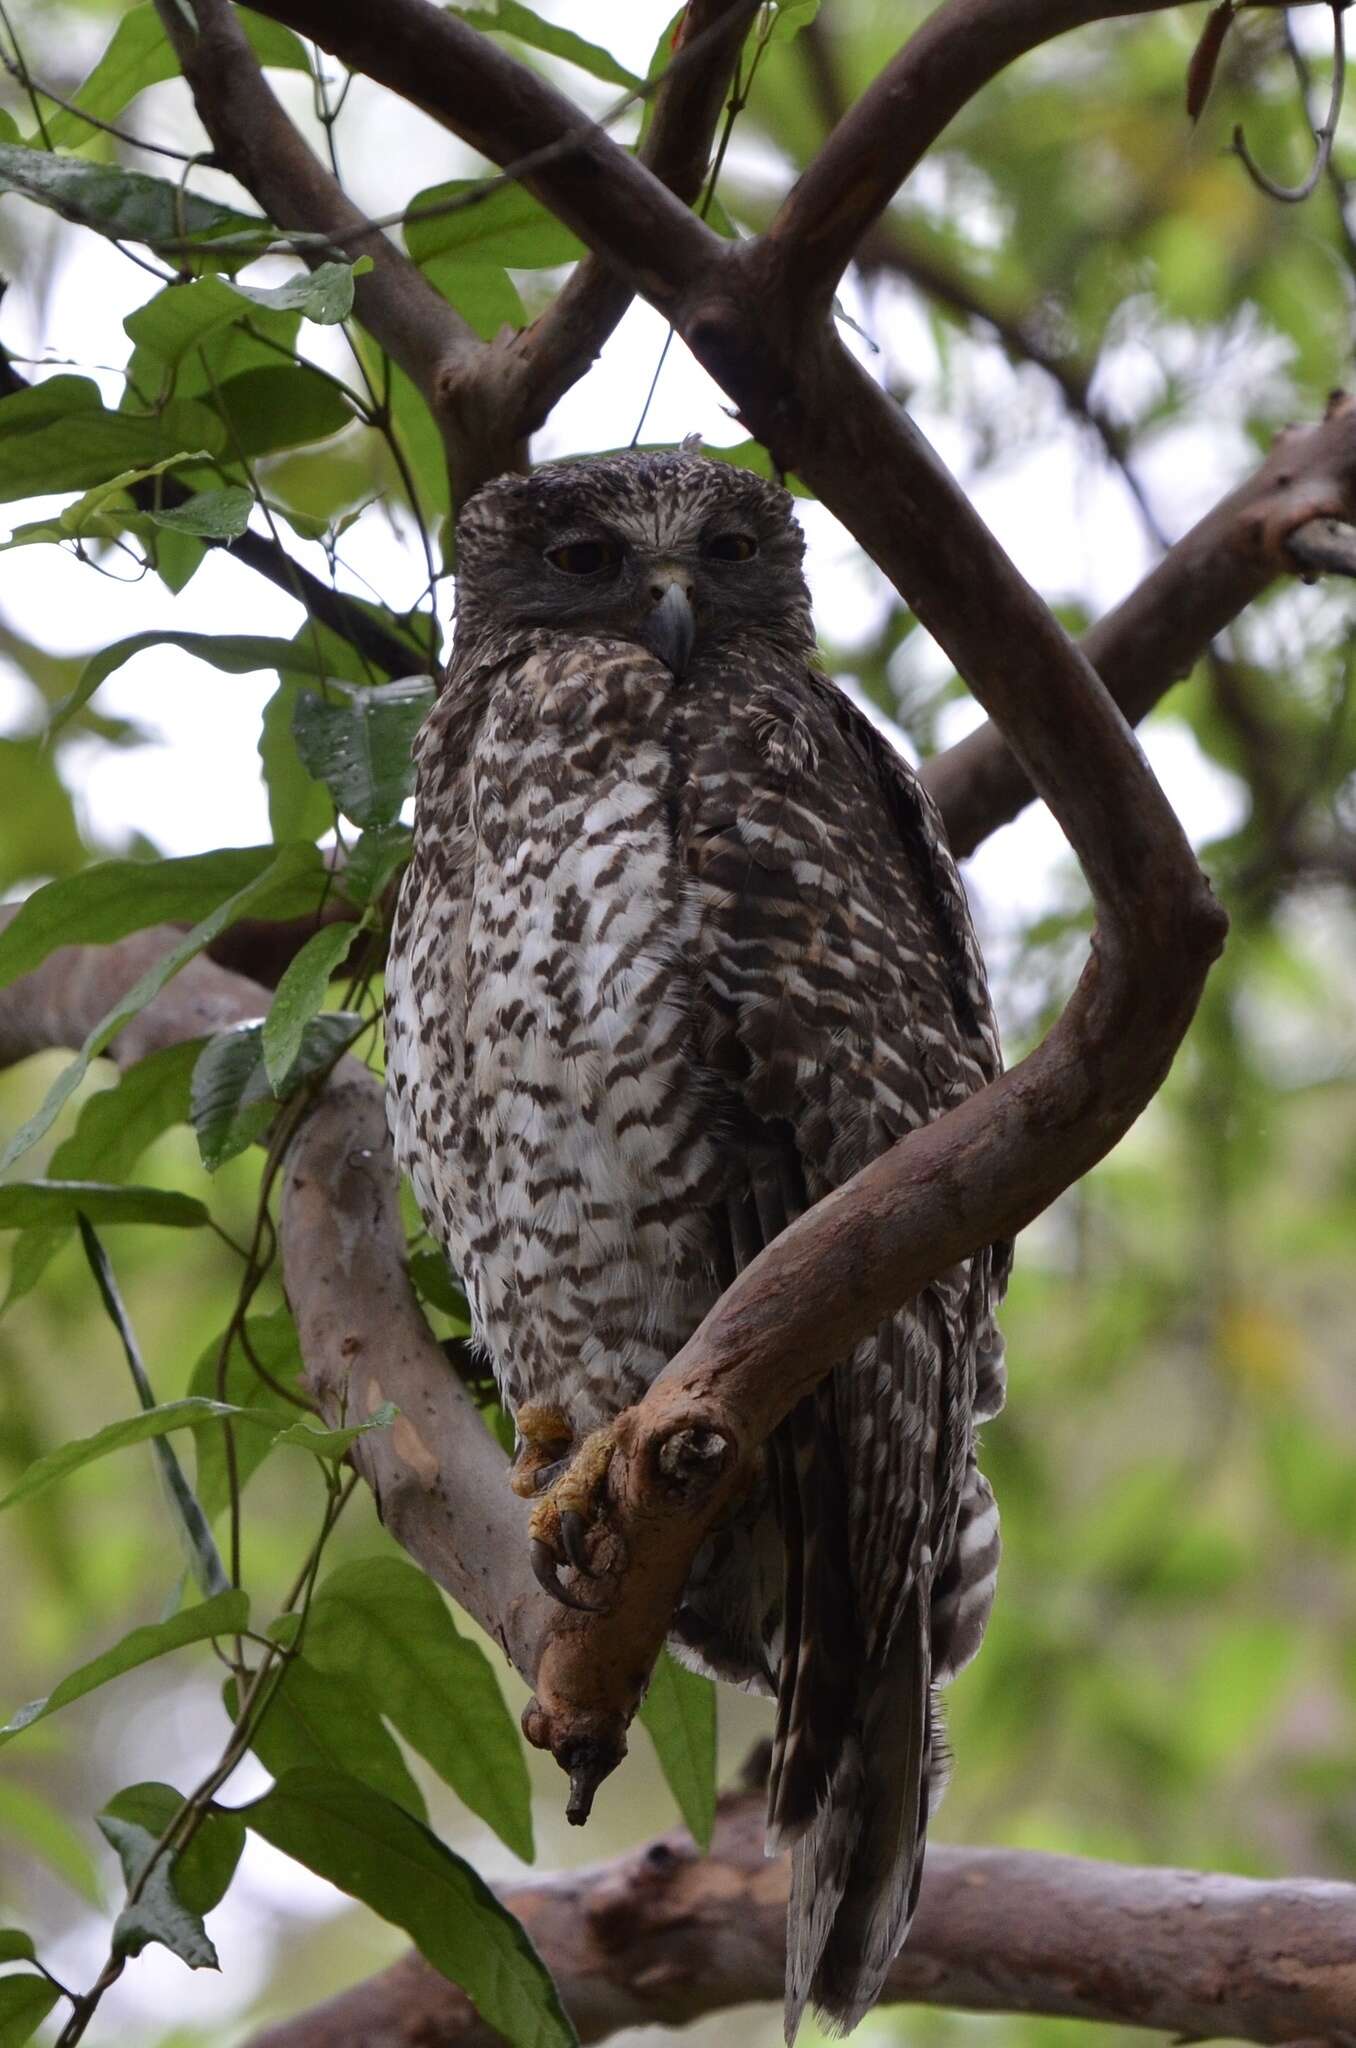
(1103, 324)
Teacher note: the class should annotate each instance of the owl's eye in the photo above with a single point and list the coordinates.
(731, 547)
(585, 557)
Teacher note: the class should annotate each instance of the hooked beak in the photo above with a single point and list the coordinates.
(671, 628)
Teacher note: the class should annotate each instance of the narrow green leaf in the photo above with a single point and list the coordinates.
(434, 1283)
(513, 19)
(280, 406)
(333, 1443)
(679, 1716)
(25, 2001)
(376, 1852)
(129, 206)
(220, 515)
(203, 1871)
(233, 1102)
(791, 16)
(300, 994)
(319, 1720)
(237, 654)
(360, 747)
(204, 1560)
(16, 1947)
(48, 1202)
(224, 1615)
(290, 866)
(115, 897)
(114, 1129)
(501, 225)
(104, 511)
(49, 1836)
(382, 1623)
(482, 293)
(193, 1412)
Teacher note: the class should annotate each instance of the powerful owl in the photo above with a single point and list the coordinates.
(680, 949)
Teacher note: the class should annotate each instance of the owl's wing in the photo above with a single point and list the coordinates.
(842, 1002)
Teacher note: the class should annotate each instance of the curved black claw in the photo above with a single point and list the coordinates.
(574, 1537)
(588, 1764)
(547, 1574)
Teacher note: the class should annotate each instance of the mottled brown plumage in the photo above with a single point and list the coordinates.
(680, 949)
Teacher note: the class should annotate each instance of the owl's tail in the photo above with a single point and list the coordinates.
(857, 1759)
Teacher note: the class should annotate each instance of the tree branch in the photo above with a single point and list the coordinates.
(662, 1936)
(960, 47)
(258, 144)
(537, 367)
(1160, 631)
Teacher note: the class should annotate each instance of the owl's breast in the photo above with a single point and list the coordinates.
(587, 1165)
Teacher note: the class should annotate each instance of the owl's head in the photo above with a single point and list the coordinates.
(678, 553)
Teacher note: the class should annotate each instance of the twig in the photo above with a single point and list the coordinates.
(1292, 195)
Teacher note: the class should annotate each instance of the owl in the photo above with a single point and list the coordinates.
(681, 947)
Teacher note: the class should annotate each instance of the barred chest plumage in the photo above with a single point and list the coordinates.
(581, 1166)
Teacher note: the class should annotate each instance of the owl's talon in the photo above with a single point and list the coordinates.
(547, 1574)
(574, 1541)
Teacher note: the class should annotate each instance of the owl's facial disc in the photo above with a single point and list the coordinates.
(678, 554)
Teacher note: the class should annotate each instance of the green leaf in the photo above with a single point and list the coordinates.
(102, 512)
(299, 995)
(114, 1129)
(435, 1285)
(299, 807)
(47, 1202)
(59, 436)
(360, 747)
(380, 1622)
(280, 407)
(190, 1413)
(25, 2001)
(115, 897)
(140, 54)
(226, 1614)
(679, 1716)
(238, 654)
(272, 1340)
(49, 1836)
(333, 1443)
(16, 1947)
(511, 18)
(157, 1913)
(291, 865)
(220, 515)
(375, 858)
(233, 1101)
(376, 1852)
(791, 17)
(482, 293)
(129, 206)
(202, 1872)
(324, 295)
(320, 1720)
(502, 225)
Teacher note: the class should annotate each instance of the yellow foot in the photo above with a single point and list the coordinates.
(545, 1439)
(565, 1512)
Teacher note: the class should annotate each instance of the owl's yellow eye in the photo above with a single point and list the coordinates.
(731, 547)
(585, 557)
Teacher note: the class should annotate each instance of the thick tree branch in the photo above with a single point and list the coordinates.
(663, 1936)
(1160, 631)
